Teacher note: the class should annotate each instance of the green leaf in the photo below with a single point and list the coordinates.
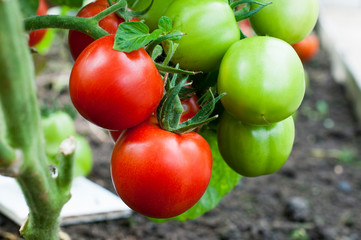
(70, 3)
(157, 51)
(165, 24)
(169, 69)
(29, 7)
(223, 180)
(133, 35)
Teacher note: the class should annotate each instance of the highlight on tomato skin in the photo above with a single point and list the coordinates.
(36, 36)
(160, 174)
(308, 47)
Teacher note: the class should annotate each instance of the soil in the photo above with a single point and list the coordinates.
(316, 195)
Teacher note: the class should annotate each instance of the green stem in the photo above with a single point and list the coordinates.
(88, 26)
(21, 120)
(109, 10)
(66, 163)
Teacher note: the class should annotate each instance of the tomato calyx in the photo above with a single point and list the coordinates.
(245, 11)
(170, 108)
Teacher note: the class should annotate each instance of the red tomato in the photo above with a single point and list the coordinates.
(36, 36)
(190, 108)
(246, 27)
(158, 173)
(112, 89)
(308, 47)
(79, 41)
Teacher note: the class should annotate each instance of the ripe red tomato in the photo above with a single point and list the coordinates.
(158, 173)
(36, 36)
(308, 47)
(79, 41)
(190, 108)
(112, 89)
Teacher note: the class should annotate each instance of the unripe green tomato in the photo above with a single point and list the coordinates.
(83, 157)
(289, 20)
(263, 79)
(255, 150)
(210, 28)
(154, 13)
(57, 127)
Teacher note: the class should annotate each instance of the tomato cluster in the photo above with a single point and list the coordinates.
(160, 173)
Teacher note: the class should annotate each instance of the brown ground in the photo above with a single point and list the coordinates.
(323, 171)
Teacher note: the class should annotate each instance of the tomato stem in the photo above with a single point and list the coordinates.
(113, 8)
(21, 124)
(88, 26)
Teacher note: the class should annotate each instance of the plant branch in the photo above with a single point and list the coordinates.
(66, 165)
(109, 10)
(20, 116)
(88, 26)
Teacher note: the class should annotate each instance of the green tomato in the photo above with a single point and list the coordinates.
(288, 20)
(154, 13)
(255, 150)
(83, 157)
(263, 79)
(210, 28)
(57, 127)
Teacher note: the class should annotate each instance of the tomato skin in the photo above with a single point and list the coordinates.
(210, 28)
(288, 20)
(307, 48)
(158, 173)
(154, 13)
(263, 79)
(255, 150)
(83, 157)
(57, 127)
(190, 108)
(79, 41)
(36, 36)
(112, 89)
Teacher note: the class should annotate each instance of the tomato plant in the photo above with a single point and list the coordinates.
(36, 36)
(112, 89)
(79, 41)
(290, 21)
(158, 173)
(160, 168)
(210, 28)
(308, 47)
(255, 150)
(263, 79)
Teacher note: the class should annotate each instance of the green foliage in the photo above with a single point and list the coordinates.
(133, 35)
(299, 234)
